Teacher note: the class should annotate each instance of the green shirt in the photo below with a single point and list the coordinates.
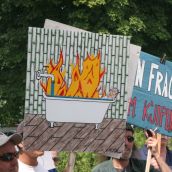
(134, 165)
(105, 166)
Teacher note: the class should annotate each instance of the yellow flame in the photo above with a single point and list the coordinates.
(83, 84)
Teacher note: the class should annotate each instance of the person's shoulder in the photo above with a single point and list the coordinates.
(103, 167)
(137, 161)
(137, 165)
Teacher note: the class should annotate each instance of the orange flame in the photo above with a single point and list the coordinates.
(83, 84)
(60, 87)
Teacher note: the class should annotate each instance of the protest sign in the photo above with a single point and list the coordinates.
(151, 102)
(134, 53)
(45, 45)
(80, 133)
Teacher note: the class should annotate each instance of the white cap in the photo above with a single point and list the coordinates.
(14, 138)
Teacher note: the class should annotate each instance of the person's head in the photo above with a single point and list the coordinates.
(33, 154)
(8, 153)
(27, 156)
(164, 140)
(129, 142)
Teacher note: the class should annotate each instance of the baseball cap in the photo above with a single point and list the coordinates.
(14, 138)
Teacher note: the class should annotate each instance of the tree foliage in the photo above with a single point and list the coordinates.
(149, 23)
(84, 162)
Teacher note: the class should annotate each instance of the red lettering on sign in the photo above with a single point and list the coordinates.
(168, 122)
(156, 116)
(145, 110)
(156, 113)
(132, 105)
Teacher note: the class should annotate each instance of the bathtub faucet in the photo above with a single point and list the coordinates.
(46, 75)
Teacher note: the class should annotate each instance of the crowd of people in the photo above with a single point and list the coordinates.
(14, 158)
(131, 160)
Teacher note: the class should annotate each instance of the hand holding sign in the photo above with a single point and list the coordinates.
(158, 162)
(152, 144)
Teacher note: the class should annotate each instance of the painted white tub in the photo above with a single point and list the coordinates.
(78, 110)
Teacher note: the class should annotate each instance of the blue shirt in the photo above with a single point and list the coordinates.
(52, 170)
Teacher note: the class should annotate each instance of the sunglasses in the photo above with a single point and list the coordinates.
(130, 139)
(9, 156)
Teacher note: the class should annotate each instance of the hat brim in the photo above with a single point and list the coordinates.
(15, 138)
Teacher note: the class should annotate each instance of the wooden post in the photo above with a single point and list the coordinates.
(149, 156)
(159, 142)
(71, 162)
(148, 160)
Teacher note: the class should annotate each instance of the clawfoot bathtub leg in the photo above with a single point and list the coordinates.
(51, 124)
(97, 126)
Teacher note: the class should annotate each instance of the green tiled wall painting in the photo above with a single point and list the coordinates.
(44, 44)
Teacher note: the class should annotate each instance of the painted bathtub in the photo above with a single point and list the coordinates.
(77, 110)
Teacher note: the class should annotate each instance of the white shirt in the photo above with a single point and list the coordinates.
(46, 160)
(27, 168)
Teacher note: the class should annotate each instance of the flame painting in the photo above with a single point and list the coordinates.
(72, 81)
(84, 83)
(73, 65)
(82, 101)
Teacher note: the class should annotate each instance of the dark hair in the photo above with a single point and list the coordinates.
(9, 133)
(129, 128)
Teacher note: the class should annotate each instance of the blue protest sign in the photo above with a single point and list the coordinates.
(151, 102)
